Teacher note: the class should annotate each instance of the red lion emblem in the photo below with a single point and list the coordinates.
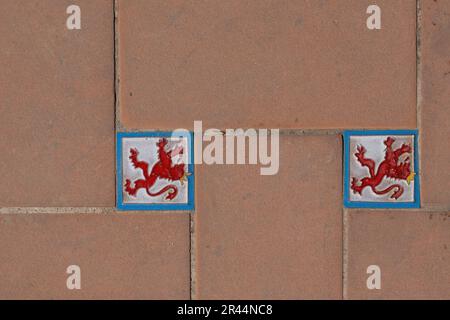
(163, 169)
(390, 167)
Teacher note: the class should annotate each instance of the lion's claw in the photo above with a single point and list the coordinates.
(361, 150)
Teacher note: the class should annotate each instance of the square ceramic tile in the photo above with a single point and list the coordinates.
(155, 171)
(381, 169)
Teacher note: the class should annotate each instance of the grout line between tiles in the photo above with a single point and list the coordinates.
(283, 132)
(116, 68)
(113, 210)
(80, 210)
(419, 81)
(345, 254)
(116, 87)
(418, 62)
(192, 255)
(402, 210)
(56, 210)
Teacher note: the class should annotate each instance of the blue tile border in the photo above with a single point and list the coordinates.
(365, 204)
(190, 206)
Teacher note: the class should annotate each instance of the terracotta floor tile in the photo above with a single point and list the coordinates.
(412, 249)
(283, 64)
(57, 104)
(121, 256)
(272, 237)
(435, 116)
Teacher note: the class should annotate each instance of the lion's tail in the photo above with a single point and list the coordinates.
(397, 193)
(172, 194)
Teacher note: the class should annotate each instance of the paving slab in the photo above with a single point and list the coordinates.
(435, 98)
(282, 64)
(410, 248)
(57, 104)
(130, 256)
(272, 237)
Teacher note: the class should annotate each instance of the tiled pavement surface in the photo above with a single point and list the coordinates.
(299, 65)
